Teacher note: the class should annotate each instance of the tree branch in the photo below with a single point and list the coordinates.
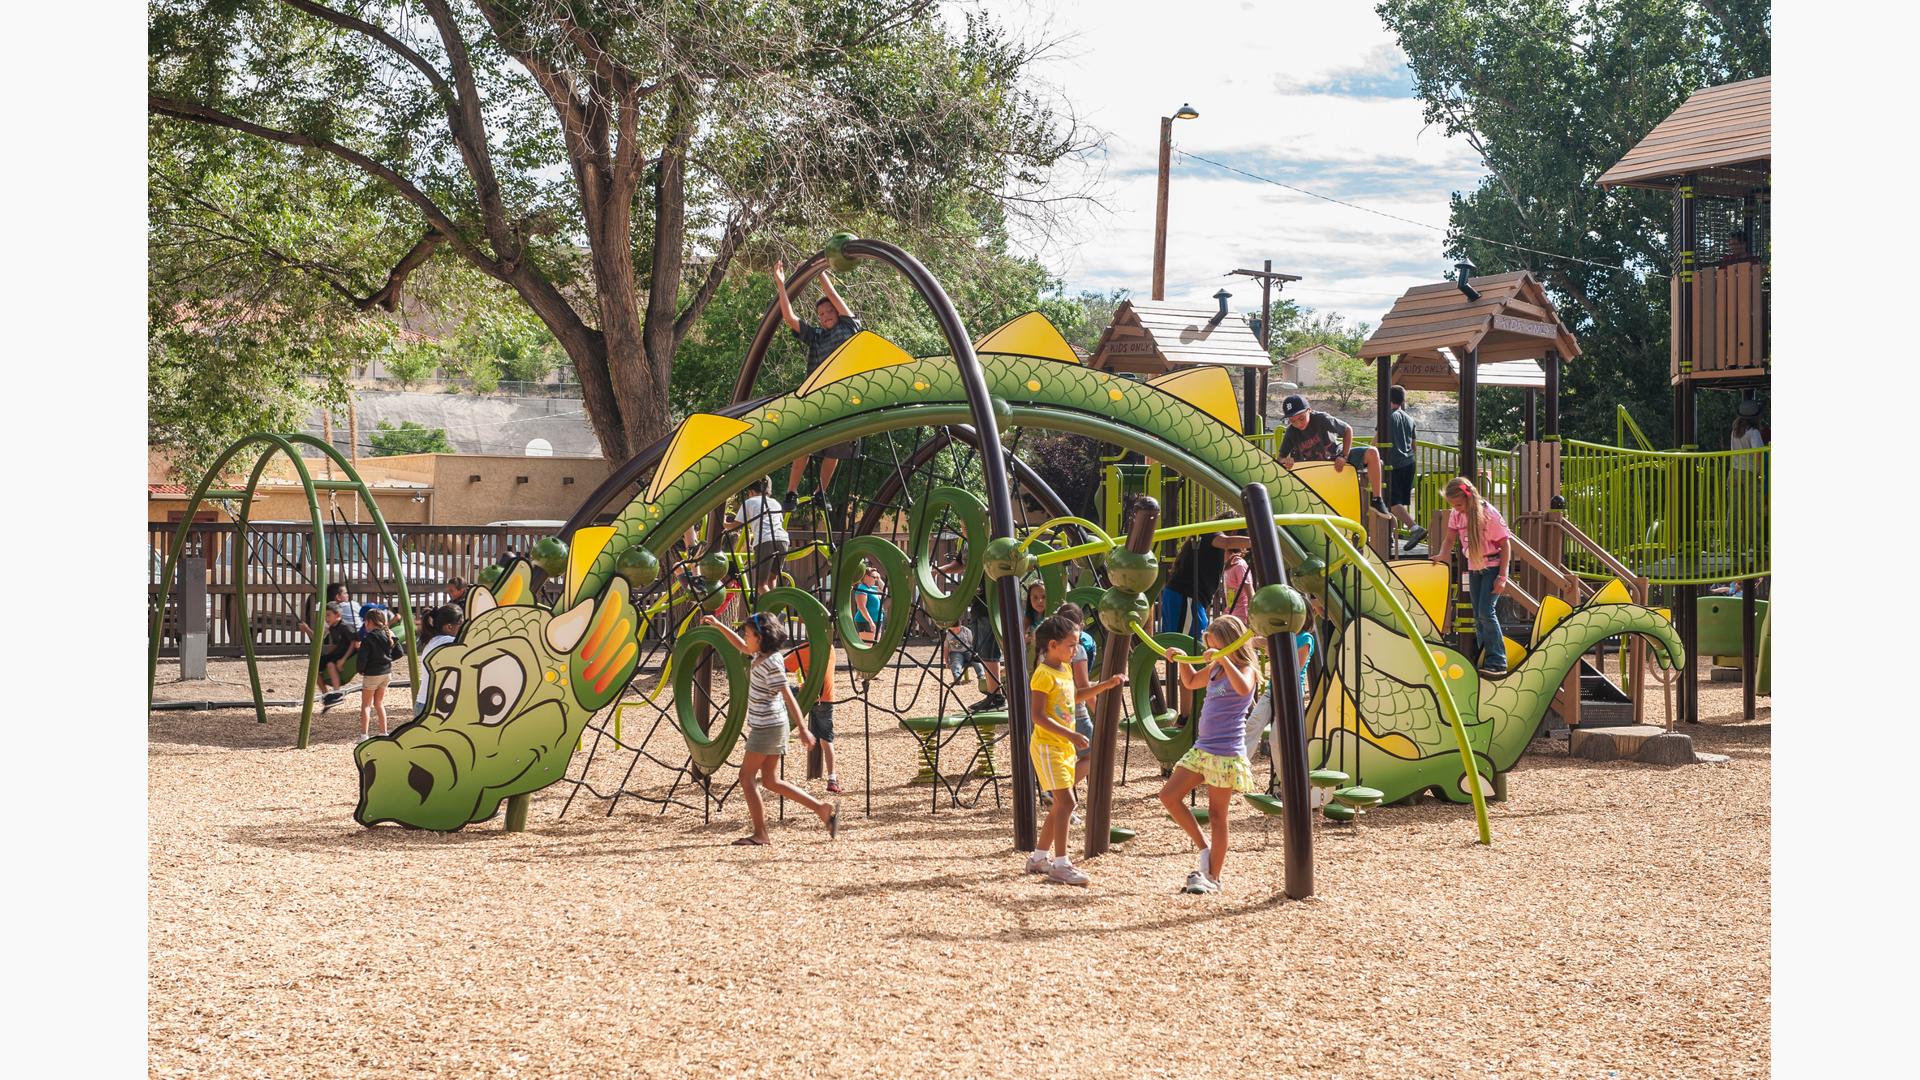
(739, 226)
(201, 114)
(470, 133)
(399, 48)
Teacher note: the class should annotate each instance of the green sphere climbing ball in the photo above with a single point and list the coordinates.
(1118, 607)
(550, 554)
(1277, 609)
(1004, 558)
(490, 576)
(1134, 571)
(713, 567)
(1311, 575)
(837, 257)
(638, 566)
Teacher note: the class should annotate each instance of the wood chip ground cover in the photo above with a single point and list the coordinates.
(1619, 926)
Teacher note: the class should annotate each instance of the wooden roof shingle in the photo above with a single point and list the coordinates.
(1717, 127)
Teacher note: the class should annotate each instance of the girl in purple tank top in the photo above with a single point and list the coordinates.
(1217, 758)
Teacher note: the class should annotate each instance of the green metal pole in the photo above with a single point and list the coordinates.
(517, 812)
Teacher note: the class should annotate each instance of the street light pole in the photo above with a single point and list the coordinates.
(1184, 112)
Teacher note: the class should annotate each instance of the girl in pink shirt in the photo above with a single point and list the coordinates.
(1482, 535)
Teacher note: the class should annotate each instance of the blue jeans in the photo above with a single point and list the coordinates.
(1173, 613)
(1486, 618)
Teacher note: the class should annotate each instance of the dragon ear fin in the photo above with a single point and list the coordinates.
(515, 585)
(603, 658)
(565, 631)
(480, 601)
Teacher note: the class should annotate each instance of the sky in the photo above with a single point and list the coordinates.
(1315, 95)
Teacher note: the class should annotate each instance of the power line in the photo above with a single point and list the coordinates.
(1410, 221)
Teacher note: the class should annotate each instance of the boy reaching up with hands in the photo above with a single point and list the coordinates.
(1054, 743)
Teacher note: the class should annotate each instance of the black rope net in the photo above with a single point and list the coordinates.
(935, 685)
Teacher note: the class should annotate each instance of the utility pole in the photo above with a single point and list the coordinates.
(1268, 279)
(1184, 112)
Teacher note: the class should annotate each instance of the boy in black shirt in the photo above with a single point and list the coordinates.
(1313, 436)
(836, 327)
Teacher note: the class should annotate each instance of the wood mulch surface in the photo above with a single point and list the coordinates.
(1619, 926)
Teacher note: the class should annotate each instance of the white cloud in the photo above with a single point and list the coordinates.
(1313, 95)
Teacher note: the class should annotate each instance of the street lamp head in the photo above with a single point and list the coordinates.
(1186, 112)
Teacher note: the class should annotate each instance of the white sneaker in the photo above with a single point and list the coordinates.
(1067, 874)
(1038, 861)
(1200, 884)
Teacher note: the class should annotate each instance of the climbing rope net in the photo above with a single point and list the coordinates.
(910, 669)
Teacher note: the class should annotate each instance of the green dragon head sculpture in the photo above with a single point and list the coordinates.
(508, 701)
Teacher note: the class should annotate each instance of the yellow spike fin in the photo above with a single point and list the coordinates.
(1427, 581)
(1340, 490)
(1516, 652)
(587, 545)
(865, 351)
(1613, 592)
(1552, 610)
(1031, 334)
(1209, 389)
(698, 436)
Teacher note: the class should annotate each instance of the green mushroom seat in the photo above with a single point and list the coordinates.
(988, 724)
(926, 730)
(1359, 798)
(1339, 812)
(1328, 778)
(1267, 804)
(1200, 814)
(1118, 835)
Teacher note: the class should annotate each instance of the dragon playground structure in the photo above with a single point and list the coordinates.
(587, 651)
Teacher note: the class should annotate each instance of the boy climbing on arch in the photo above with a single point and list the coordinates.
(836, 325)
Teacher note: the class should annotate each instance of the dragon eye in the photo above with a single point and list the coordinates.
(448, 693)
(501, 680)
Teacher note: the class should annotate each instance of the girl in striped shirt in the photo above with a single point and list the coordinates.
(771, 707)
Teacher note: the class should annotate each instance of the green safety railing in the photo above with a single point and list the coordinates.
(1624, 425)
(1674, 517)
(1437, 463)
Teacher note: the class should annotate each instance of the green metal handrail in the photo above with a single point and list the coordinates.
(1674, 517)
(1624, 425)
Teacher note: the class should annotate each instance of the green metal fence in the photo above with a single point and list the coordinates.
(1676, 518)
(1436, 463)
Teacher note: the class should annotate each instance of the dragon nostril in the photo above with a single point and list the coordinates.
(366, 779)
(420, 780)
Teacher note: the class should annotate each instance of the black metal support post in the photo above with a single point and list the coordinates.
(1114, 654)
(1469, 428)
(1289, 712)
(1749, 651)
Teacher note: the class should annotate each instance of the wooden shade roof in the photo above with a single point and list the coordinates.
(1719, 129)
(1149, 338)
(1512, 320)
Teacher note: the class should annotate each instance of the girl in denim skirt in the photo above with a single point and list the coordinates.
(771, 708)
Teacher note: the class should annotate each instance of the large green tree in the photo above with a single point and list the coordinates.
(608, 161)
(1550, 93)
